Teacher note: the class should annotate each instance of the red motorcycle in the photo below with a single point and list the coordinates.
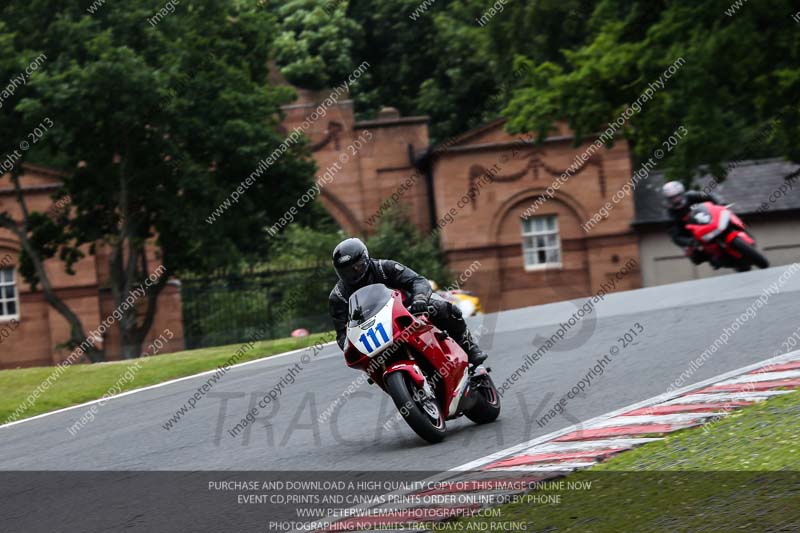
(723, 235)
(421, 367)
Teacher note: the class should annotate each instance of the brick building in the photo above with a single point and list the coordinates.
(531, 251)
(29, 327)
(369, 160)
(475, 190)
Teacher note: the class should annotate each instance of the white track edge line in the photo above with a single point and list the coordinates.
(157, 385)
(474, 465)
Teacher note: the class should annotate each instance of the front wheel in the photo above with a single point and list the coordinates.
(487, 406)
(422, 414)
(749, 253)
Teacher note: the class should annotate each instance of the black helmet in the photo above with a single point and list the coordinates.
(351, 259)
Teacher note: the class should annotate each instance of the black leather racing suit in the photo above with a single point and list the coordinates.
(442, 313)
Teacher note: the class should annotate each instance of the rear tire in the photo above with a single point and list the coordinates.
(487, 408)
(749, 253)
(401, 388)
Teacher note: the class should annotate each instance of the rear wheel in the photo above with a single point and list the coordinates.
(749, 253)
(487, 406)
(422, 414)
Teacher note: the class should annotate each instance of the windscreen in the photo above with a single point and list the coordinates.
(367, 301)
(700, 214)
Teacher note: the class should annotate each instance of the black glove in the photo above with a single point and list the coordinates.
(419, 305)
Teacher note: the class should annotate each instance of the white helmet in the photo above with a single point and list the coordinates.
(674, 193)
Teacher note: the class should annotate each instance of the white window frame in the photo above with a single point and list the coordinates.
(529, 231)
(15, 297)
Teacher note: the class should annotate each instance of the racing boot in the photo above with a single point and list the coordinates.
(475, 355)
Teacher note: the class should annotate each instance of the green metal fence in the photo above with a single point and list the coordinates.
(229, 309)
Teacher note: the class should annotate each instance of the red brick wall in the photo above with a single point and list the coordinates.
(489, 228)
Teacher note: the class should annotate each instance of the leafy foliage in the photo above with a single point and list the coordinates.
(398, 239)
(109, 87)
(314, 47)
(447, 66)
(157, 126)
(740, 74)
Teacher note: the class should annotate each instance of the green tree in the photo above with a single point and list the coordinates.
(444, 64)
(398, 239)
(109, 88)
(402, 52)
(38, 234)
(740, 75)
(301, 295)
(314, 47)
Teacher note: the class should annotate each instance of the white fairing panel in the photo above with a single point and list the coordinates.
(453, 407)
(374, 334)
(724, 221)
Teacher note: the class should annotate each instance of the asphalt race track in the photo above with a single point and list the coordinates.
(679, 322)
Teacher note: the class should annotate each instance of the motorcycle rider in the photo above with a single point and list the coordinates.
(679, 202)
(356, 270)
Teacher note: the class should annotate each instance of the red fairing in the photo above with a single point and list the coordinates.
(416, 343)
(408, 367)
(708, 226)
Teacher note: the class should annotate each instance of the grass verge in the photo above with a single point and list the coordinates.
(740, 473)
(83, 383)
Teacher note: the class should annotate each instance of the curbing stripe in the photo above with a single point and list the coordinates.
(665, 398)
(764, 376)
(778, 368)
(621, 431)
(546, 467)
(677, 418)
(760, 386)
(592, 445)
(686, 408)
(700, 397)
(549, 458)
